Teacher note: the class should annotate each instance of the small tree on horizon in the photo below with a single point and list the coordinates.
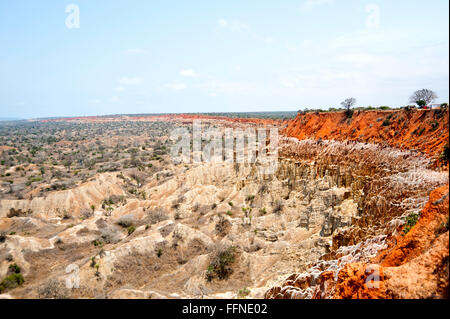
(348, 104)
(423, 97)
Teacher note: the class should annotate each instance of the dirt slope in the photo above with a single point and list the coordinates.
(422, 130)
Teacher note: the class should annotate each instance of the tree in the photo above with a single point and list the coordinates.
(423, 97)
(347, 104)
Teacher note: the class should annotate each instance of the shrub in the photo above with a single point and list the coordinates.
(156, 216)
(221, 261)
(243, 293)
(125, 221)
(53, 289)
(14, 268)
(386, 122)
(97, 243)
(11, 282)
(110, 235)
(445, 155)
(411, 220)
(131, 230)
(86, 213)
(222, 226)
(66, 215)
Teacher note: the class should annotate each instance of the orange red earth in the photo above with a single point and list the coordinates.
(422, 130)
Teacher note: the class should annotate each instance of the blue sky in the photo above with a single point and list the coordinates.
(218, 56)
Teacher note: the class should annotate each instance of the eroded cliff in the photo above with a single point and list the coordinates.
(397, 244)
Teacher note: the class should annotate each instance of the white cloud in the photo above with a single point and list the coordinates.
(188, 73)
(176, 86)
(120, 89)
(308, 5)
(222, 22)
(130, 81)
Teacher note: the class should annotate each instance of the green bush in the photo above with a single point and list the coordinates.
(11, 282)
(131, 230)
(243, 293)
(220, 266)
(14, 268)
(411, 220)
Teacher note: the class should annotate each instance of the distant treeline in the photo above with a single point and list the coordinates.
(333, 109)
(260, 115)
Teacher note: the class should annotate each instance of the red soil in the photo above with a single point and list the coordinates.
(422, 130)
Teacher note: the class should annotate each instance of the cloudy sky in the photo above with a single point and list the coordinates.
(92, 57)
